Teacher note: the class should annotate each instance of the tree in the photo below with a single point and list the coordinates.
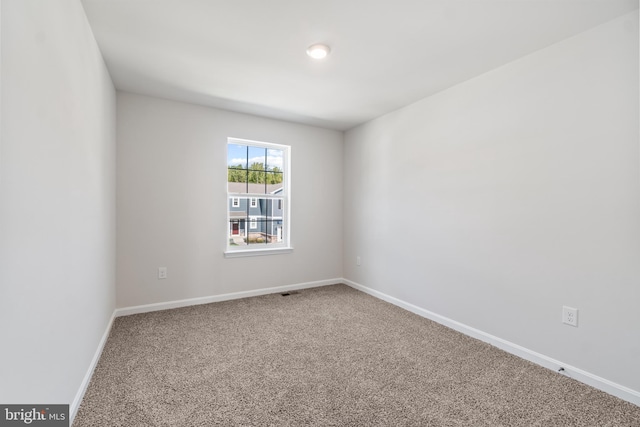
(236, 174)
(275, 176)
(256, 174)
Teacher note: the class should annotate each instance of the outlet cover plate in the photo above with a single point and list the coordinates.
(570, 316)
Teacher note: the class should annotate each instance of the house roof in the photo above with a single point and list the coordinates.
(241, 188)
(237, 215)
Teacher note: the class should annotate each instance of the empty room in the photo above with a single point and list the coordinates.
(284, 213)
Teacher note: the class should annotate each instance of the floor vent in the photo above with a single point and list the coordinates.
(286, 294)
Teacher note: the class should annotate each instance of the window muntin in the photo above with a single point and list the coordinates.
(258, 194)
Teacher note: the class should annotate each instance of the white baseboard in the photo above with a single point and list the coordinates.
(75, 405)
(217, 298)
(625, 393)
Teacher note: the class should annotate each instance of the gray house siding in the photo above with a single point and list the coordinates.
(258, 222)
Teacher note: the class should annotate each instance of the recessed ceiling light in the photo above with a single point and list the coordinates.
(318, 51)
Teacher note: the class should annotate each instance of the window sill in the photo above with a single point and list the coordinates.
(257, 252)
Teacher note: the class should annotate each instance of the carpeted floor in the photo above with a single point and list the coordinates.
(329, 356)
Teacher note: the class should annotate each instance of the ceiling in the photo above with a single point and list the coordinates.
(249, 55)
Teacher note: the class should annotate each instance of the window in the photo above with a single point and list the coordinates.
(258, 198)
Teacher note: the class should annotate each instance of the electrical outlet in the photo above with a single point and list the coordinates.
(570, 316)
(162, 272)
(358, 261)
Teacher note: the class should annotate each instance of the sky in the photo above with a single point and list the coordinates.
(237, 155)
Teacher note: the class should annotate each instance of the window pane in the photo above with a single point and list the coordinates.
(277, 206)
(236, 168)
(274, 230)
(275, 176)
(256, 175)
(278, 230)
(237, 181)
(275, 182)
(257, 230)
(237, 221)
(237, 156)
(257, 158)
(237, 232)
(275, 160)
(265, 230)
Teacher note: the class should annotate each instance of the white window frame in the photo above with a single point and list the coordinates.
(235, 202)
(271, 248)
(254, 202)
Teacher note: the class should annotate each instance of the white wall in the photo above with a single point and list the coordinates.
(498, 201)
(171, 203)
(57, 201)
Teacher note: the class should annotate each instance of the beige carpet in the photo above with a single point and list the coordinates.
(329, 356)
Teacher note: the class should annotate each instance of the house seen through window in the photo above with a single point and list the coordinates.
(257, 195)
